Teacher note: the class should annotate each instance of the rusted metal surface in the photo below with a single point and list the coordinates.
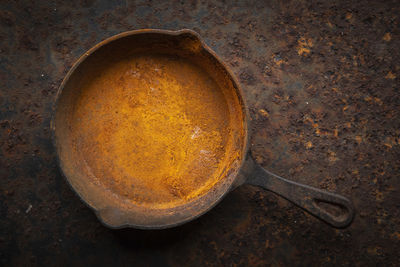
(150, 128)
(321, 81)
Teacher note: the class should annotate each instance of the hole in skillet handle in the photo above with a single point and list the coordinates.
(306, 197)
(342, 215)
(335, 210)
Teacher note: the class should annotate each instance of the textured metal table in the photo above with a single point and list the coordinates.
(322, 84)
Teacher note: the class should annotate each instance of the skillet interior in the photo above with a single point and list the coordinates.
(150, 129)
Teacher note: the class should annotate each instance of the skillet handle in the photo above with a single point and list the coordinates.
(313, 200)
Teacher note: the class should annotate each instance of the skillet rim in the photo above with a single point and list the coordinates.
(234, 182)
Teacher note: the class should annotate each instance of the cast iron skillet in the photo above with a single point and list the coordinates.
(116, 212)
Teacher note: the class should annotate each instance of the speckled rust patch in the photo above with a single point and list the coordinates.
(154, 129)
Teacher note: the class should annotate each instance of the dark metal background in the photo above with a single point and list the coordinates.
(322, 84)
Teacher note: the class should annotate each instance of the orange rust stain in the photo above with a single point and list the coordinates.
(390, 142)
(336, 133)
(278, 61)
(373, 99)
(264, 113)
(332, 156)
(304, 46)
(309, 145)
(387, 37)
(314, 125)
(154, 129)
(378, 101)
(390, 76)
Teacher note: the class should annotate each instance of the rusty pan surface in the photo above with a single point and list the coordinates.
(150, 128)
(151, 131)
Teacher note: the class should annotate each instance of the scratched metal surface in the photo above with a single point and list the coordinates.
(322, 83)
